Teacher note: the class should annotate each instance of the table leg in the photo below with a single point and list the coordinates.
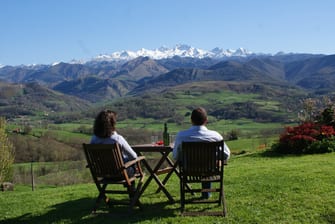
(154, 176)
(174, 169)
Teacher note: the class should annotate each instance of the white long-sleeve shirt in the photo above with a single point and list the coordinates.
(196, 134)
(127, 152)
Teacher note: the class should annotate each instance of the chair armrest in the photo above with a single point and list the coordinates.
(225, 162)
(132, 162)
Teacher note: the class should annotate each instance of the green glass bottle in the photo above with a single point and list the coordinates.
(166, 136)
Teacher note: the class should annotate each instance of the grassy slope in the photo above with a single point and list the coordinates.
(211, 95)
(259, 189)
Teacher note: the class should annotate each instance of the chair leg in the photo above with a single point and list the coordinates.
(224, 203)
(222, 200)
(182, 196)
(221, 195)
(135, 197)
(134, 201)
(101, 196)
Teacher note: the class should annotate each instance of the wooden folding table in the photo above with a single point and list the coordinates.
(156, 170)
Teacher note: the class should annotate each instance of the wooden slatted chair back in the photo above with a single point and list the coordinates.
(104, 160)
(201, 159)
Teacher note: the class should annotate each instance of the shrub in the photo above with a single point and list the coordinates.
(308, 137)
(233, 134)
(327, 117)
(323, 146)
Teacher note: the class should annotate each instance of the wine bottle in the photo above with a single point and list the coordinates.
(166, 136)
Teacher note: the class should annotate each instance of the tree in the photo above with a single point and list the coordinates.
(233, 134)
(6, 153)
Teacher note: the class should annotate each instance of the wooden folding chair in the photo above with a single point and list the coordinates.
(202, 162)
(107, 168)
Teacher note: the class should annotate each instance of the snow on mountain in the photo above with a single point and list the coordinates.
(180, 50)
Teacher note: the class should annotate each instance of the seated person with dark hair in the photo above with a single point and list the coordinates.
(198, 132)
(105, 133)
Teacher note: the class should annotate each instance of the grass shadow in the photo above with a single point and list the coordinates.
(330, 218)
(269, 153)
(79, 211)
(274, 154)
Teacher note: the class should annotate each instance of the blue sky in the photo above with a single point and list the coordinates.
(47, 31)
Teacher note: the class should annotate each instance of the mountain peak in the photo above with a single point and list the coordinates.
(181, 50)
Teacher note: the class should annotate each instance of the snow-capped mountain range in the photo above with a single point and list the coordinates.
(180, 50)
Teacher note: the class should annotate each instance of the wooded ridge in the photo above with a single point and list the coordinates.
(76, 87)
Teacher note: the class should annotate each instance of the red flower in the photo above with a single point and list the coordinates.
(303, 137)
(327, 131)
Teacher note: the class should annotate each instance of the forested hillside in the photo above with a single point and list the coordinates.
(144, 87)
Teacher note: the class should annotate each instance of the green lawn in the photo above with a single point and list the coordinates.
(259, 189)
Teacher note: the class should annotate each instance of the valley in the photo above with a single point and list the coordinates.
(254, 96)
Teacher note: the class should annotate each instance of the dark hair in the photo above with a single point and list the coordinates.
(199, 116)
(104, 124)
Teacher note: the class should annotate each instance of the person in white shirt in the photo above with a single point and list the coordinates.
(105, 133)
(198, 132)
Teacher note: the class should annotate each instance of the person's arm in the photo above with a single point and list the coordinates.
(226, 151)
(93, 139)
(127, 149)
(176, 148)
